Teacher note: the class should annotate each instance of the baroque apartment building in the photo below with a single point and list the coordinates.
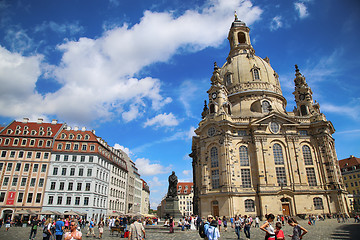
(145, 198)
(24, 162)
(49, 166)
(250, 155)
(186, 194)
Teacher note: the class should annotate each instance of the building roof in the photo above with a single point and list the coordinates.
(184, 186)
(349, 162)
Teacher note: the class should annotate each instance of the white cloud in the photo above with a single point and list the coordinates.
(69, 28)
(187, 172)
(351, 111)
(97, 75)
(162, 120)
(125, 149)
(155, 182)
(302, 9)
(276, 23)
(146, 168)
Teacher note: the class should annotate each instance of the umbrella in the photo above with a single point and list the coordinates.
(71, 213)
(22, 212)
(47, 212)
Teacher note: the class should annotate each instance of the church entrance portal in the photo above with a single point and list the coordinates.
(215, 208)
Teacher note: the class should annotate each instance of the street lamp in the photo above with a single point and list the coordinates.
(266, 209)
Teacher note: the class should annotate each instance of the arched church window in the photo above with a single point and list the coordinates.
(249, 205)
(278, 154)
(256, 74)
(265, 105)
(304, 110)
(241, 37)
(215, 179)
(307, 155)
(318, 203)
(243, 154)
(212, 108)
(214, 157)
(228, 79)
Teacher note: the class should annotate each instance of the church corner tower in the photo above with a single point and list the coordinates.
(251, 156)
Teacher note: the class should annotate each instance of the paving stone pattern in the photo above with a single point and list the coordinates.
(328, 229)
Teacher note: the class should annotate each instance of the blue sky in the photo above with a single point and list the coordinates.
(137, 71)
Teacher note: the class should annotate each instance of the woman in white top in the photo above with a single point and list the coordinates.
(268, 228)
(192, 224)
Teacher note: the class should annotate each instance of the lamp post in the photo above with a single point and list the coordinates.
(266, 209)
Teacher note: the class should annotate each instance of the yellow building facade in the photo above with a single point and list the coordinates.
(251, 156)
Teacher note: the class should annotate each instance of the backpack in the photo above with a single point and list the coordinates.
(45, 230)
(202, 230)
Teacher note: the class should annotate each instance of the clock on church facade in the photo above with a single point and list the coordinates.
(251, 156)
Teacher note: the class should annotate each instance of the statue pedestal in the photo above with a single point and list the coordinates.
(172, 208)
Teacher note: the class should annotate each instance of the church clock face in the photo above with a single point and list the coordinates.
(214, 95)
(211, 131)
(302, 96)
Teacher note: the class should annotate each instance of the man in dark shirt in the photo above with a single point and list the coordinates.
(34, 226)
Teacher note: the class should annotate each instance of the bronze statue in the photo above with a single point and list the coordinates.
(172, 191)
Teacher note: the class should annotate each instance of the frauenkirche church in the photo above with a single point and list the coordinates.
(251, 156)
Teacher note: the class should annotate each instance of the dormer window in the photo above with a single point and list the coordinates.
(255, 72)
(228, 79)
(265, 105)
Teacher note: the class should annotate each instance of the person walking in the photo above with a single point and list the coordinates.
(237, 225)
(247, 226)
(136, 228)
(34, 227)
(297, 234)
(91, 228)
(73, 234)
(212, 232)
(59, 229)
(268, 228)
(47, 229)
(257, 220)
(171, 224)
(225, 223)
(101, 228)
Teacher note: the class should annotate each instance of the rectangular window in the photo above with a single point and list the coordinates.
(61, 187)
(215, 179)
(86, 201)
(41, 182)
(32, 182)
(48, 143)
(245, 178)
(18, 167)
(1, 166)
(63, 171)
(89, 172)
(16, 141)
(12, 154)
(66, 158)
(310, 173)
(82, 159)
(74, 158)
(41, 142)
(23, 182)
(38, 198)
(59, 146)
(3, 154)
(59, 200)
(70, 186)
(52, 185)
(72, 171)
(51, 200)
(29, 155)
(36, 167)
(78, 188)
(23, 142)
(38, 155)
(14, 181)
(92, 148)
(57, 158)
(77, 200)
(6, 181)
(55, 171)
(20, 197)
(2, 196)
(67, 146)
(9, 167)
(46, 155)
(29, 199)
(84, 147)
(87, 187)
(26, 167)
(43, 167)
(280, 176)
(32, 142)
(68, 201)
(21, 154)
(81, 172)
(91, 159)
(76, 146)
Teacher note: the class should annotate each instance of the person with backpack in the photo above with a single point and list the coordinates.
(204, 226)
(34, 226)
(247, 226)
(47, 229)
(213, 232)
(238, 224)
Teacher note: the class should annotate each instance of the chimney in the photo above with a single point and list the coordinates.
(25, 120)
(76, 128)
(54, 121)
(93, 131)
(40, 120)
(83, 129)
(68, 128)
(351, 156)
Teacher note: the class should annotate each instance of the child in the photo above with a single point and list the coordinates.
(297, 235)
(278, 232)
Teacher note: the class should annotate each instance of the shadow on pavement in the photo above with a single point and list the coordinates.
(348, 231)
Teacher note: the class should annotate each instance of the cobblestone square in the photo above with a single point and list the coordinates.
(328, 229)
